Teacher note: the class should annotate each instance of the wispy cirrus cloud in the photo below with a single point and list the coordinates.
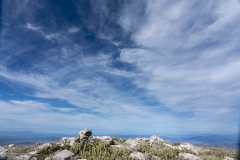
(155, 66)
(188, 56)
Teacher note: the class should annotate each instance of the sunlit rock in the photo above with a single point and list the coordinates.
(63, 155)
(106, 139)
(188, 156)
(137, 155)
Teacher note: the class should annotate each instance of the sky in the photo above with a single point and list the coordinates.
(122, 66)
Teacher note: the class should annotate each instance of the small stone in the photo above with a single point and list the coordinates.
(188, 156)
(11, 145)
(63, 155)
(32, 153)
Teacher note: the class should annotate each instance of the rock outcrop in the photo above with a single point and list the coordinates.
(71, 148)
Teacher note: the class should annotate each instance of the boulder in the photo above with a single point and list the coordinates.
(67, 141)
(2, 152)
(137, 155)
(106, 139)
(83, 135)
(63, 155)
(34, 158)
(188, 156)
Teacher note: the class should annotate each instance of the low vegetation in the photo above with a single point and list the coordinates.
(102, 151)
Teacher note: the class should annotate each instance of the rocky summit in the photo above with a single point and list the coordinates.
(88, 147)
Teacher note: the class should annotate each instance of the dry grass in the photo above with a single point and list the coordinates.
(100, 150)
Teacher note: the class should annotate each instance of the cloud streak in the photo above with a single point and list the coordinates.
(154, 67)
(189, 57)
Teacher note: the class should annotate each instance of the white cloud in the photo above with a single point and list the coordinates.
(186, 58)
(73, 30)
(31, 27)
(190, 61)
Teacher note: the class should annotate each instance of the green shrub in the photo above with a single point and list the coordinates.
(98, 151)
(119, 140)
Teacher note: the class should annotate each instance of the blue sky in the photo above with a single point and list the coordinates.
(140, 67)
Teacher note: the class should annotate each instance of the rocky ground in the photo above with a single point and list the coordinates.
(85, 146)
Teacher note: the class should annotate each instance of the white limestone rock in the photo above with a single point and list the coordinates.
(188, 156)
(105, 139)
(67, 141)
(32, 153)
(63, 155)
(45, 145)
(133, 143)
(155, 158)
(228, 158)
(155, 140)
(11, 145)
(169, 145)
(117, 146)
(47, 158)
(2, 152)
(22, 157)
(190, 147)
(84, 135)
(137, 155)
